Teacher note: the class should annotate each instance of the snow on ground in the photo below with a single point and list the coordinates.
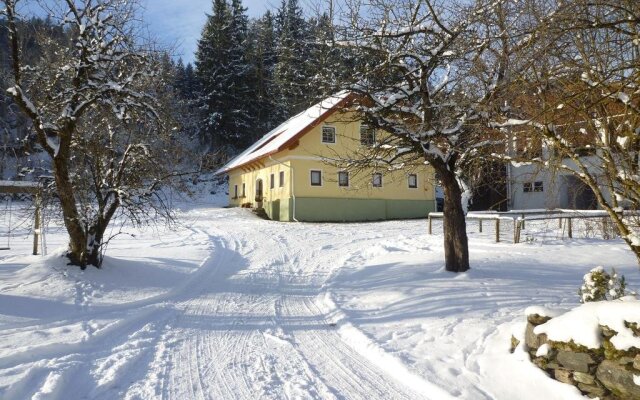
(231, 306)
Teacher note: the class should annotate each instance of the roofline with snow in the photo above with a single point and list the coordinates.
(326, 114)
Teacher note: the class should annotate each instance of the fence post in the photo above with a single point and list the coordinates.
(497, 230)
(36, 226)
(430, 226)
(560, 222)
(519, 224)
(523, 220)
(569, 228)
(480, 225)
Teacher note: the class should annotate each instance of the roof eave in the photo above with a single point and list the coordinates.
(330, 111)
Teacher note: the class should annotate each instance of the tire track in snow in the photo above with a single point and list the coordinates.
(345, 370)
(247, 324)
(222, 327)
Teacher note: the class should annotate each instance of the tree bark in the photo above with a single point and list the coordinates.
(77, 233)
(94, 244)
(456, 246)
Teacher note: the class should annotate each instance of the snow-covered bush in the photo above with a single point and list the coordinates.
(600, 285)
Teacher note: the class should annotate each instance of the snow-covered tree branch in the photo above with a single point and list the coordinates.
(96, 106)
(579, 98)
(433, 69)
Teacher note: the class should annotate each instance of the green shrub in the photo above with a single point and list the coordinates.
(599, 285)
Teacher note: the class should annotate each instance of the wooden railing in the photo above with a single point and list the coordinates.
(519, 219)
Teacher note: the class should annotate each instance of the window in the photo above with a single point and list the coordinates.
(413, 181)
(343, 179)
(281, 178)
(316, 178)
(529, 187)
(243, 190)
(272, 181)
(328, 134)
(235, 191)
(377, 180)
(538, 187)
(367, 135)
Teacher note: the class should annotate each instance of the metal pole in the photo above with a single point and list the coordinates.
(497, 230)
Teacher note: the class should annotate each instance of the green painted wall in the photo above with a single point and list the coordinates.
(278, 210)
(316, 209)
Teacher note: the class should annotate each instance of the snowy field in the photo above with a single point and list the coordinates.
(230, 306)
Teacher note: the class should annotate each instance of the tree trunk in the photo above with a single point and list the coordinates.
(77, 233)
(94, 244)
(456, 246)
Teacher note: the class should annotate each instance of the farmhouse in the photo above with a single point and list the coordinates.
(537, 186)
(298, 171)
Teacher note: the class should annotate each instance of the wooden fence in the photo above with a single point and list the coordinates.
(509, 226)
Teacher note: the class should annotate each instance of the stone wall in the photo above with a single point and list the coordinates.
(606, 372)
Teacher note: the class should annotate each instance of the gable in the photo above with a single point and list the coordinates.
(288, 132)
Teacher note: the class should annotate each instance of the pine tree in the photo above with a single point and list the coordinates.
(240, 92)
(190, 83)
(262, 50)
(211, 61)
(324, 66)
(290, 75)
(224, 77)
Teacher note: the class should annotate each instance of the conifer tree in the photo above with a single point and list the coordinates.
(326, 64)
(290, 75)
(211, 59)
(224, 78)
(262, 50)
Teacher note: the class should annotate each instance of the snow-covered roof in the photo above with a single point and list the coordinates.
(282, 136)
(20, 184)
(20, 187)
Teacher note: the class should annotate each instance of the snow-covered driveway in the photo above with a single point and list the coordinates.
(256, 324)
(234, 307)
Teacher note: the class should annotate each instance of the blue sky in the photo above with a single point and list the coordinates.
(178, 23)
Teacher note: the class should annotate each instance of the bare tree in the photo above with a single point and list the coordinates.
(432, 71)
(96, 110)
(579, 97)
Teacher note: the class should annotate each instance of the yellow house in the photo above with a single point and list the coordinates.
(294, 172)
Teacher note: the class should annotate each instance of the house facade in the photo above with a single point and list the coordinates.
(533, 186)
(296, 172)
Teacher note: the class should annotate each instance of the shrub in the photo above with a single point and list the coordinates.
(599, 285)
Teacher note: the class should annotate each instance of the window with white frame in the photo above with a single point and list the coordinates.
(235, 191)
(243, 190)
(343, 179)
(413, 181)
(281, 178)
(367, 135)
(328, 134)
(377, 180)
(316, 178)
(530, 187)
